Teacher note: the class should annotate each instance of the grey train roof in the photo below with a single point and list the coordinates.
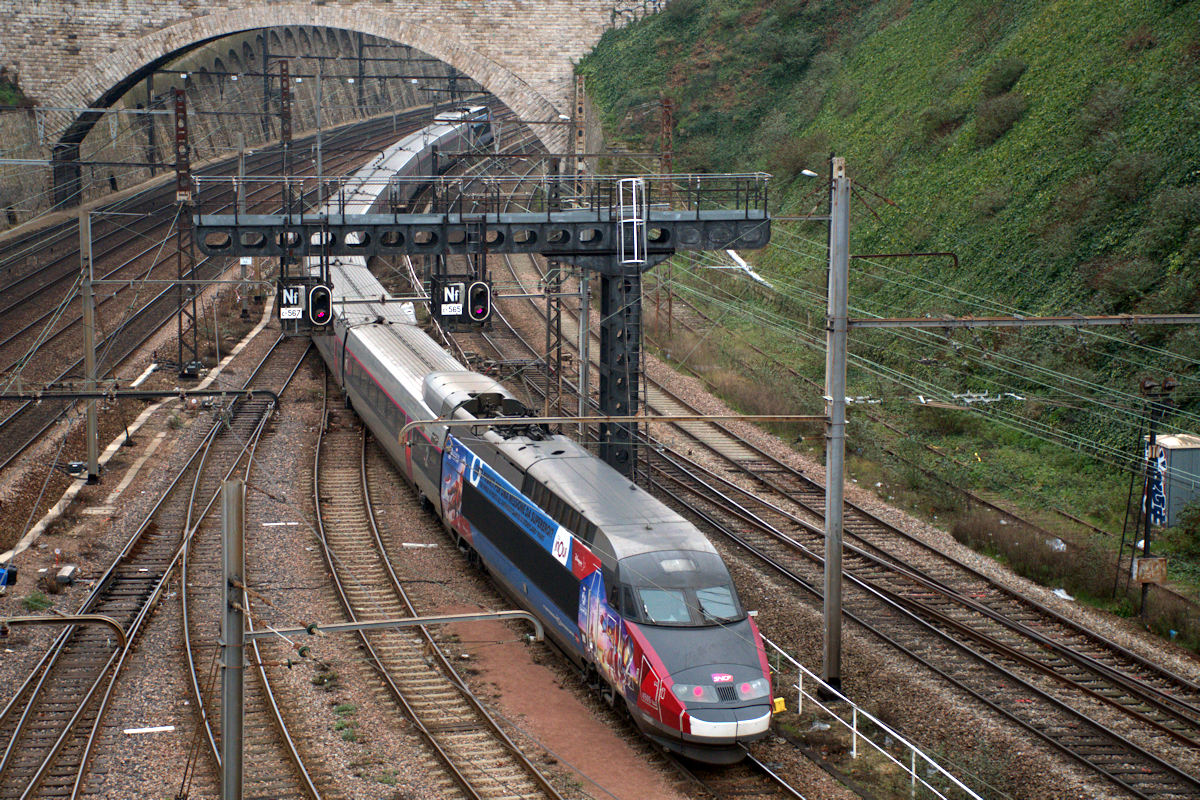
(623, 513)
(409, 348)
(400, 342)
(360, 194)
(352, 280)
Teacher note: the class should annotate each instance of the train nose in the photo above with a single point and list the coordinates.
(724, 704)
(727, 725)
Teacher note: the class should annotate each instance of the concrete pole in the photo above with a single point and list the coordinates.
(89, 344)
(233, 638)
(584, 341)
(835, 427)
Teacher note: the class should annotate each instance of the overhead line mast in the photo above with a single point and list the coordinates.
(837, 326)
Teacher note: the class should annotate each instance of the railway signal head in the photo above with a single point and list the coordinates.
(479, 301)
(320, 305)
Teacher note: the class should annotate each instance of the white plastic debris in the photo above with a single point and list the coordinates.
(819, 726)
(1062, 594)
(1057, 545)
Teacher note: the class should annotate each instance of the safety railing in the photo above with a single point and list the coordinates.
(919, 767)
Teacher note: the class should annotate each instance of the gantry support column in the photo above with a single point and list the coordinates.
(620, 365)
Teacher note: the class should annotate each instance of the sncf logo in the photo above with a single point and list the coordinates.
(721, 677)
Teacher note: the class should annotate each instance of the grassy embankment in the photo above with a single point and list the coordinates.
(1053, 146)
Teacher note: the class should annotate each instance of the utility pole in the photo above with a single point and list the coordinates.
(553, 286)
(234, 634)
(320, 171)
(835, 410)
(89, 344)
(241, 209)
(233, 637)
(189, 351)
(584, 347)
(667, 142)
(1157, 392)
(838, 323)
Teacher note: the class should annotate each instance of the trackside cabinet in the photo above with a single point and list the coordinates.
(1178, 456)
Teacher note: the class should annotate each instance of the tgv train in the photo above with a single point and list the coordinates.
(415, 155)
(632, 592)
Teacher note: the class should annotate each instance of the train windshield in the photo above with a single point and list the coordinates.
(678, 588)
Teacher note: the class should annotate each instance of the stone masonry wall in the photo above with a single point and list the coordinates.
(70, 52)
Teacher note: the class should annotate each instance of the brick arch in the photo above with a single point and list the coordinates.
(103, 81)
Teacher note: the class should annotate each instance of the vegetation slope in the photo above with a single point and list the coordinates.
(1053, 146)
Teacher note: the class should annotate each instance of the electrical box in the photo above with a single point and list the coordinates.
(1176, 462)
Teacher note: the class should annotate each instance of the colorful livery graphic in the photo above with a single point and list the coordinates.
(629, 590)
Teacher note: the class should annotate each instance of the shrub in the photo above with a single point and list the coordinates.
(944, 421)
(1119, 281)
(326, 677)
(938, 121)
(1184, 539)
(1141, 39)
(1127, 176)
(347, 730)
(1172, 617)
(1002, 76)
(791, 154)
(996, 116)
(990, 201)
(10, 89)
(1103, 111)
(36, 601)
(846, 101)
(1080, 569)
(1175, 212)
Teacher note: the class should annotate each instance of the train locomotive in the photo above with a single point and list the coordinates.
(634, 594)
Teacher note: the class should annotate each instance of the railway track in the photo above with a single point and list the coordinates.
(28, 421)
(51, 726)
(467, 746)
(976, 667)
(273, 764)
(750, 779)
(971, 499)
(1059, 679)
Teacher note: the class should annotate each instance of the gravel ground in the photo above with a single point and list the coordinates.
(924, 708)
(370, 762)
(950, 725)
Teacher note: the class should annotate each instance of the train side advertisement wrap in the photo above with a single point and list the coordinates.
(472, 493)
(612, 644)
(459, 464)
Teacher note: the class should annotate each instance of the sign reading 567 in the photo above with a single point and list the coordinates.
(291, 301)
(311, 303)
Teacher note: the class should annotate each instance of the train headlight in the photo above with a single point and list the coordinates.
(695, 694)
(749, 690)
